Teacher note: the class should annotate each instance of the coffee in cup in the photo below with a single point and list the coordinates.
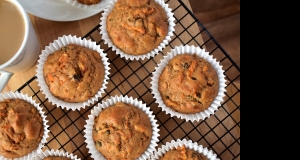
(12, 30)
(19, 45)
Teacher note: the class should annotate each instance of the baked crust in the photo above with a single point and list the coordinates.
(188, 84)
(74, 73)
(21, 128)
(122, 131)
(137, 26)
(182, 153)
(56, 158)
(89, 2)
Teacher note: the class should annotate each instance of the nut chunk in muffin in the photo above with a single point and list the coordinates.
(137, 26)
(188, 84)
(74, 73)
(21, 128)
(122, 131)
(182, 153)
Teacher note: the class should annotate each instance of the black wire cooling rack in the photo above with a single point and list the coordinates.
(219, 133)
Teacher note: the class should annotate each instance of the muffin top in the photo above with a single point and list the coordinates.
(188, 84)
(21, 128)
(56, 158)
(182, 153)
(89, 2)
(122, 131)
(137, 26)
(74, 73)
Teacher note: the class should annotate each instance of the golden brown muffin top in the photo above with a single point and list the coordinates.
(137, 26)
(89, 2)
(56, 158)
(74, 73)
(21, 128)
(122, 131)
(182, 153)
(188, 84)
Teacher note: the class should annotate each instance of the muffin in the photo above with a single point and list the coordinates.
(122, 131)
(23, 128)
(121, 128)
(183, 150)
(137, 28)
(56, 155)
(88, 4)
(72, 72)
(188, 83)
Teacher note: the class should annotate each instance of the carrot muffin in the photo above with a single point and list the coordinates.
(188, 84)
(89, 2)
(137, 26)
(183, 150)
(122, 131)
(88, 5)
(182, 153)
(56, 158)
(21, 128)
(74, 73)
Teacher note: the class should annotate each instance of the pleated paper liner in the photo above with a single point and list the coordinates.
(57, 153)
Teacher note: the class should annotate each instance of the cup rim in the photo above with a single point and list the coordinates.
(26, 34)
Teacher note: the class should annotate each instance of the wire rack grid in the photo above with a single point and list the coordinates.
(219, 133)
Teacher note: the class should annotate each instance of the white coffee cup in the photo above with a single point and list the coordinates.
(27, 53)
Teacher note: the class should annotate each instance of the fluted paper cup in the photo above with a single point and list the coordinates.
(203, 54)
(188, 144)
(111, 101)
(99, 6)
(15, 95)
(56, 45)
(160, 47)
(58, 153)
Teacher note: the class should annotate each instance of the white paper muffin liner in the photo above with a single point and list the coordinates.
(188, 144)
(111, 101)
(161, 46)
(53, 152)
(201, 53)
(56, 45)
(14, 95)
(100, 6)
